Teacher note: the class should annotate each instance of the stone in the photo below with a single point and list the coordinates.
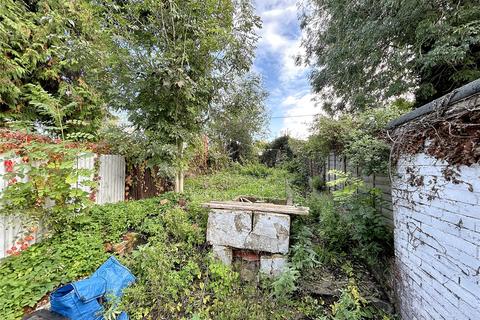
(228, 228)
(270, 233)
(274, 265)
(223, 254)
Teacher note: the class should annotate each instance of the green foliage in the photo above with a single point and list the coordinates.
(360, 137)
(318, 183)
(256, 170)
(176, 277)
(346, 185)
(229, 184)
(78, 250)
(306, 160)
(330, 134)
(65, 257)
(368, 153)
(166, 285)
(351, 305)
(45, 49)
(46, 185)
(368, 228)
(366, 52)
(285, 285)
(351, 222)
(277, 152)
(171, 58)
(238, 117)
(134, 146)
(332, 229)
(303, 253)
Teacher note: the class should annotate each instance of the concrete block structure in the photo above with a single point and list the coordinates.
(235, 228)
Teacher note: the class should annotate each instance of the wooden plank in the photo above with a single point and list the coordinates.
(262, 207)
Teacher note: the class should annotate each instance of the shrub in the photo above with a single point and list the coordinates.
(45, 185)
(350, 221)
(351, 305)
(285, 284)
(333, 230)
(318, 183)
(277, 152)
(72, 253)
(256, 170)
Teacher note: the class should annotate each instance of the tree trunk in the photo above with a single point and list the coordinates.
(179, 174)
(177, 182)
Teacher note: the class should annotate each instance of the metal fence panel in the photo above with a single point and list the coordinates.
(111, 186)
(111, 189)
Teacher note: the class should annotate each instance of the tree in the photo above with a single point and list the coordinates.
(277, 152)
(46, 48)
(172, 58)
(361, 136)
(238, 116)
(365, 52)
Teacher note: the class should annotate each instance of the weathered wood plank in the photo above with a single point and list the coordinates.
(262, 207)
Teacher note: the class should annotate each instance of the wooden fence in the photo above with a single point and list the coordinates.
(381, 182)
(144, 182)
(111, 188)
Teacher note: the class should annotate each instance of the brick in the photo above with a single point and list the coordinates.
(437, 240)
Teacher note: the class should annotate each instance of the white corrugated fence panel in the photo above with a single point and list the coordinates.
(111, 189)
(111, 186)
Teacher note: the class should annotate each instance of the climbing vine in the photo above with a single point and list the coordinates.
(450, 133)
(45, 184)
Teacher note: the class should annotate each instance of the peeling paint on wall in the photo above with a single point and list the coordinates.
(437, 238)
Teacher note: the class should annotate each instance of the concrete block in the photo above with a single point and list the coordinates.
(222, 253)
(273, 265)
(270, 233)
(228, 228)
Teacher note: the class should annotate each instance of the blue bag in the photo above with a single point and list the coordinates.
(116, 276)
(80, 300)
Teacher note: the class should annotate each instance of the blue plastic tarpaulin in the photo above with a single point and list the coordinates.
(81, 299)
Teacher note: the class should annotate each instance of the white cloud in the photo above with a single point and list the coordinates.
(277, 38)
(279, 45)
(300, 113)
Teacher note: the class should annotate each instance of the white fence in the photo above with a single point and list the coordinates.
(111, 188)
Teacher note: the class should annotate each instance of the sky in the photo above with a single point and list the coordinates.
(287, 84)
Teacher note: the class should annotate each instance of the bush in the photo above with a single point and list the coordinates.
(360, 137)
(45, 185)
(277, 152)
(75, 252)
(256, 170)
(26, 278)
(318, 183)
(351, 223)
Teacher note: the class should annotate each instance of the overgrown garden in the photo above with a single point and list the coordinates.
(170, 86)
(177, 278)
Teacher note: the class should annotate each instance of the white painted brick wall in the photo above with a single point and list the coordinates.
(437, 240)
